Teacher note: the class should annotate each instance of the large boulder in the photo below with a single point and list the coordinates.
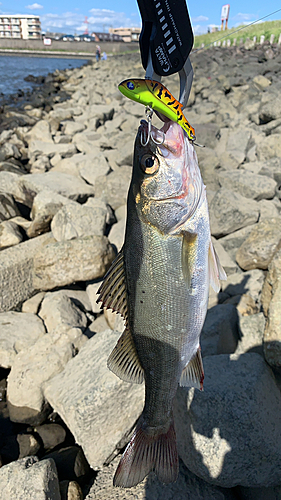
(98, 407)
(17, 332)
(230, 211)
(29, 478)
(271, 301)
(229, 434)
(258, 249)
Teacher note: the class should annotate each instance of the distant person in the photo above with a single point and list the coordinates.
(98, 51)
(104, 56)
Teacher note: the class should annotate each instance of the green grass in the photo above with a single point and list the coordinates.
(267, 29)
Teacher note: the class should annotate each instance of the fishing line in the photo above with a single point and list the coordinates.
(236, 31)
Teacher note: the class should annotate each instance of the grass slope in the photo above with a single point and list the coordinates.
(267, 29)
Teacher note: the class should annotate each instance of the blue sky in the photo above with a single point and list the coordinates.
(68, 16)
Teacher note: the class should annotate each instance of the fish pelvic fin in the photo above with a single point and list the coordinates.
(193, 374)
(216, 271)
(113, 290)
(146, 453)
(124, 361)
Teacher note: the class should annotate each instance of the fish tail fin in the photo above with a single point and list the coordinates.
(146, 453)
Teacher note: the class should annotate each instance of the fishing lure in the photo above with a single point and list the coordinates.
(156, 96)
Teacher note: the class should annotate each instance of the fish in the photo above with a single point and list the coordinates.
(159, 283)
(159, 98)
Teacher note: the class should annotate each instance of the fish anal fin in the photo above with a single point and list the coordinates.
(113, 291)
(216, 271)
(124, 360)
(193, 374)
(146, 453)
(188, 256)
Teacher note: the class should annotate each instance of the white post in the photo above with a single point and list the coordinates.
(279, 39)
(234, 41)
(219, 43)
(215, 43)
(202, 45)
(262, 39)
(228, 43)
(224, 43)
(255, 39)
(272, 39)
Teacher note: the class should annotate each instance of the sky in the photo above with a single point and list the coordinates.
(68, 16)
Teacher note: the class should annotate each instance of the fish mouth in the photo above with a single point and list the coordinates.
(171, 132)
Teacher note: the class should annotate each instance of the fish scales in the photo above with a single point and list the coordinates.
(168, 262)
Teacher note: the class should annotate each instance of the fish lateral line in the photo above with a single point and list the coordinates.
(159, 98)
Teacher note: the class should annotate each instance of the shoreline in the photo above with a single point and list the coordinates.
(47, 53)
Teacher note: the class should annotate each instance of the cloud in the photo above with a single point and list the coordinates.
(242, 18)
(199, 19)
(99, 20)
(34, 6)
(199, 30)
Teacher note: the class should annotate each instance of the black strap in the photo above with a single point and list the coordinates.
(167, 32)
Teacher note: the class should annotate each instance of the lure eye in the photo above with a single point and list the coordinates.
(149, 164)
(130, 86)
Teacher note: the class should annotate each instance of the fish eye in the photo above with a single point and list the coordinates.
(130, 86)
(149, 164)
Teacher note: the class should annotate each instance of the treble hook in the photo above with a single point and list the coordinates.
(149, 114)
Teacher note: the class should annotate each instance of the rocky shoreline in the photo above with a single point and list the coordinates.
(65, 166)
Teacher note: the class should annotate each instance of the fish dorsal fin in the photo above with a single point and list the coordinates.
(188, 256)
(124, 360)
(216, 271)
(113, 291)
(193, 374)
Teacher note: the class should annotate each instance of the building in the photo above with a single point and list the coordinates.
(26, 27)
(106, 37)
(127, 34)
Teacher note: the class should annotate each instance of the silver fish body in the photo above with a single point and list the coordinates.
(167, 262)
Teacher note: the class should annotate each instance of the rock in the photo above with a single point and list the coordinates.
(270, 147)
(71, 127)
(10, 234)
(230, 211)
(51, 435)
(45, 205)
(31, 368)
(98, 325)
(270, 110)
(91, 290)
(70, 490)
(28, 445)
(87, 384)
(268, 209)
(37, 148)
(62, 263)
(117, 234)
(58, 310)
(64, 184)
(261, 82)
(251, 330)
(256, 187)
(258, 249)
(114, 320)
(73, 221)
(245, 304)
(16, 267)
(113, 188)
(271, 300)
(40, 165)
(233, 241)
(8, 207)
(18, 331)
(32, 305)
(9, 184)
(40, 132)
(220, 330)
(249, 283)
(70, 462)
(29, 478)
(9, 150)
(225, 432)
(92, 167)
(187, 487)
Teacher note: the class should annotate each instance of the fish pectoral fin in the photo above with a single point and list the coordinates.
(188, 255)
(193, 374)
(216, 271)
(113, 291)
(124, 360)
